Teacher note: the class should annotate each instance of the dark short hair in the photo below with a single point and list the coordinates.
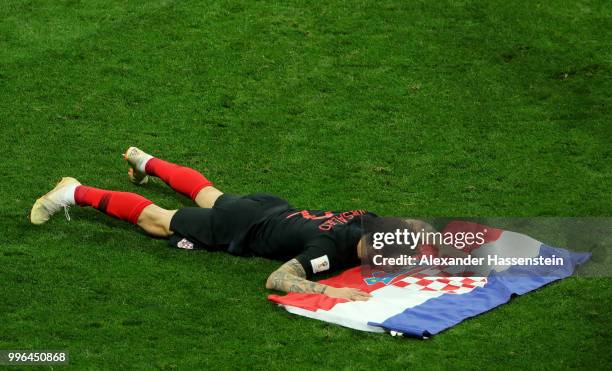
(371, 226)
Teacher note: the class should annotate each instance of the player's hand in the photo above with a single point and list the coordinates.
(347, 293)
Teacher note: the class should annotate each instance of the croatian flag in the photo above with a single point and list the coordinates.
(426, 300)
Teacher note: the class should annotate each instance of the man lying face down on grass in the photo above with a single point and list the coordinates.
(253, 225)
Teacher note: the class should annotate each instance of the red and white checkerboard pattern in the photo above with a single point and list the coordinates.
(434, 279)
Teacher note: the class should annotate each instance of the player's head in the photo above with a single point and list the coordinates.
(388, 242)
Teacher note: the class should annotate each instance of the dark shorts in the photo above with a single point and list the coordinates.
(225, 226)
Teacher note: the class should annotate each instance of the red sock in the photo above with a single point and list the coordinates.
(123, 205)
(182, 179)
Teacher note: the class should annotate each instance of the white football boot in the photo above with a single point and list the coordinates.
(137, 159)
(62, 196)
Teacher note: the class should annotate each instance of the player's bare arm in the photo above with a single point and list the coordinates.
(291, 277)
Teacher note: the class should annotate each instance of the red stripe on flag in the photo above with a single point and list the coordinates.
(349, 278)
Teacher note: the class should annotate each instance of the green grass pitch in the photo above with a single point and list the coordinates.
(407, 108)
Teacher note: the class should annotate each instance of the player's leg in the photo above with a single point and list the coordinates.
(126, 206)
(156, 220)
(182, 179)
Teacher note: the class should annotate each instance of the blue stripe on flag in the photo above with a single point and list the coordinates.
(448, 310)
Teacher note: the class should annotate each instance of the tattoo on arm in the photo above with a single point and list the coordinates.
(290, 277)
